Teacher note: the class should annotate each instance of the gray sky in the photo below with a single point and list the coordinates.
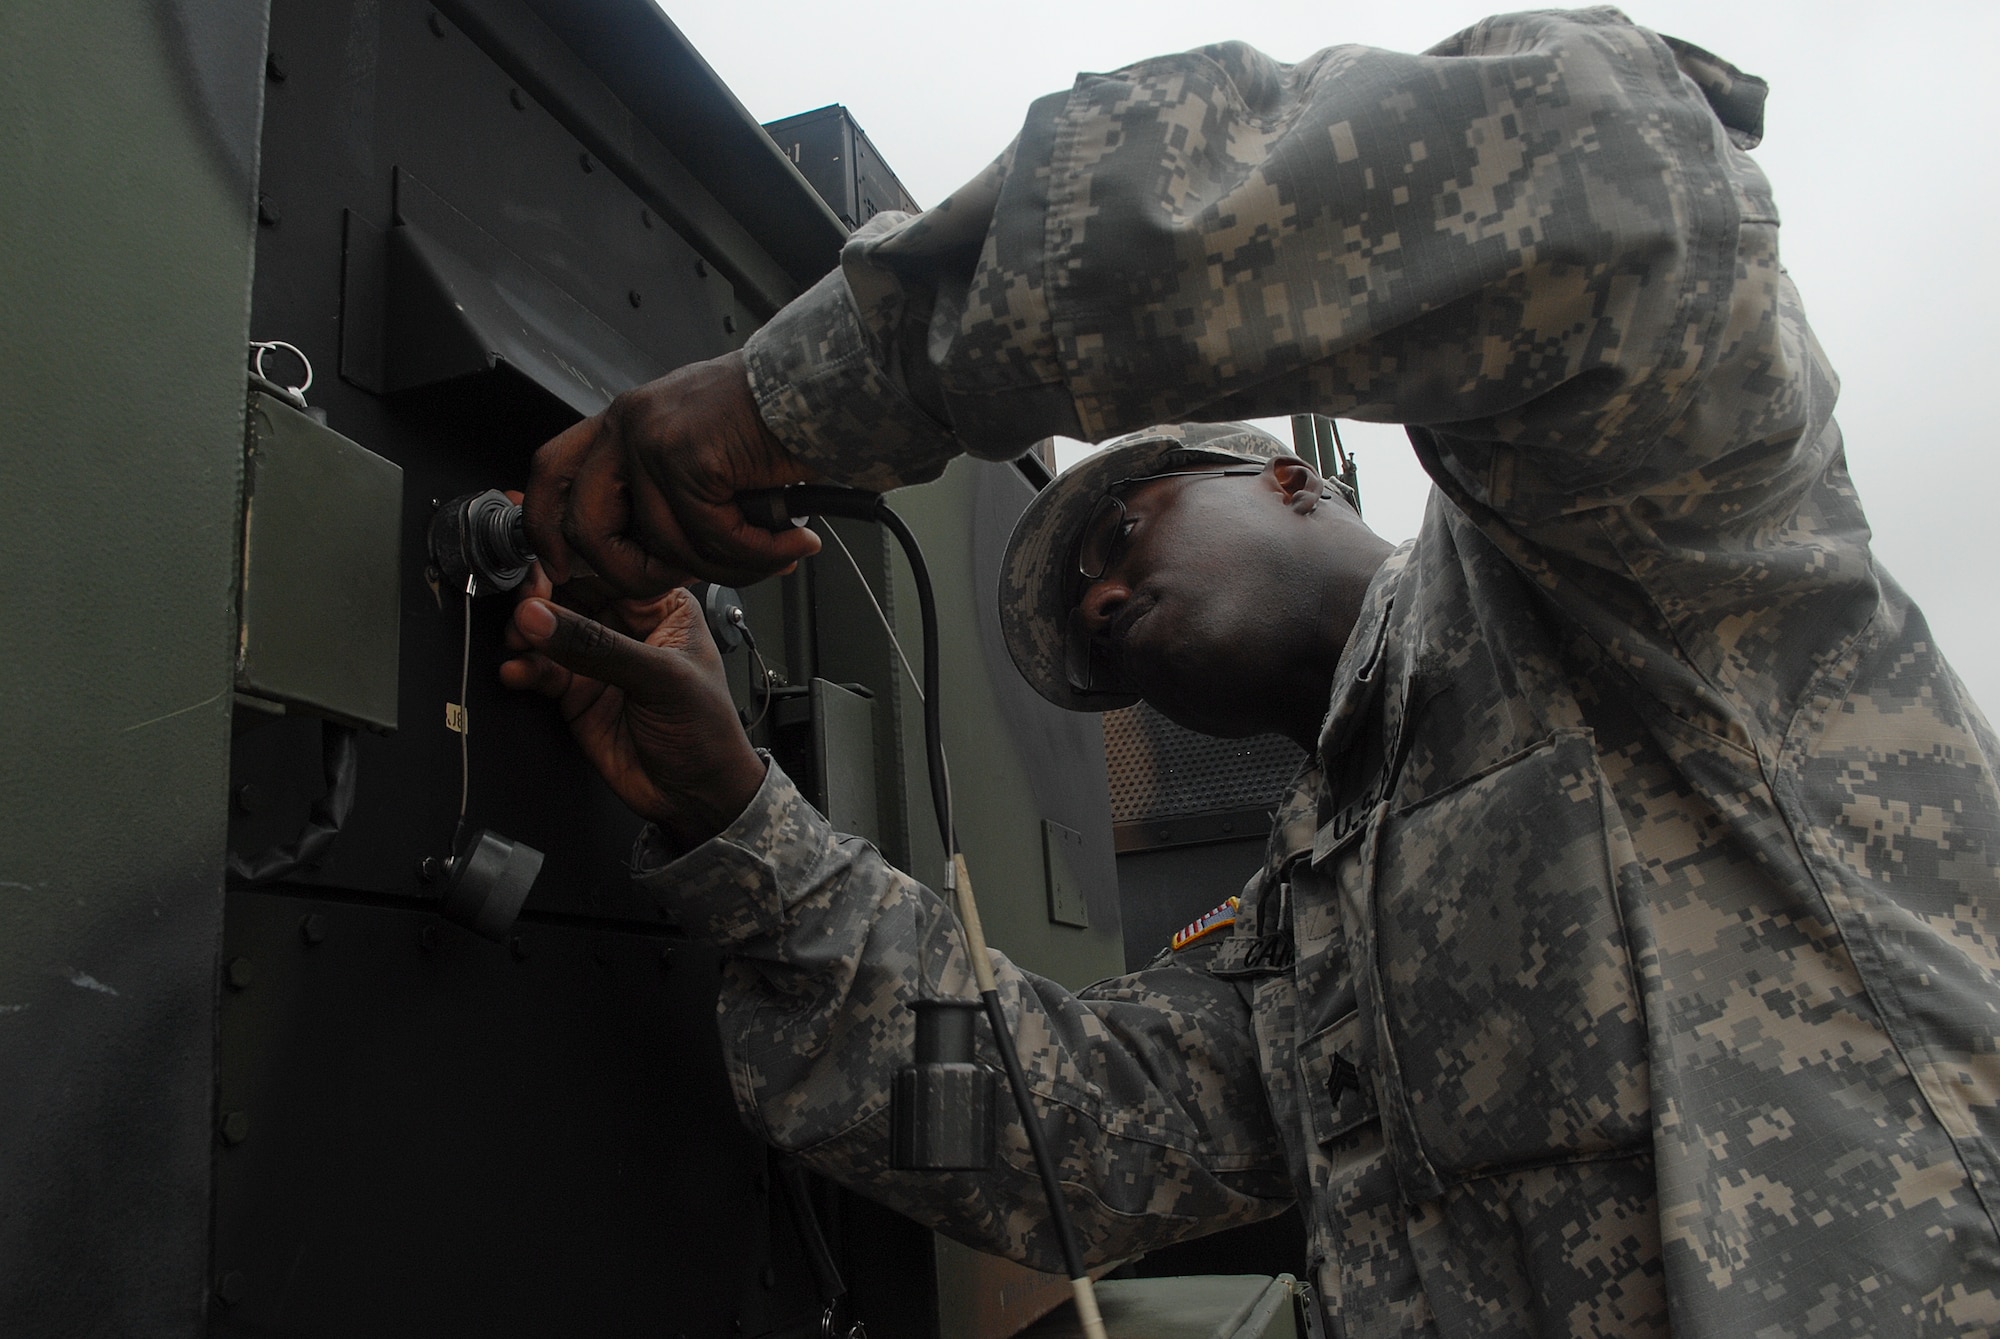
(1879, 140)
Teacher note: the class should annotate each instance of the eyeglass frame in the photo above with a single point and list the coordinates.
(1071, 630)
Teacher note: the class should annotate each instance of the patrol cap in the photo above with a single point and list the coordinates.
(1037, 571)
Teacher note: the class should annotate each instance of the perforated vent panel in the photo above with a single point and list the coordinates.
(1160, 771)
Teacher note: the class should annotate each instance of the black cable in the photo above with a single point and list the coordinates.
(1003, 1038)
(933, 718)
(774, 509)
(323, 823)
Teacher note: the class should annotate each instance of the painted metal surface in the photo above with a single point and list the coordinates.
(129, 160)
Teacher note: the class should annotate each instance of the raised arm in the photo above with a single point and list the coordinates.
(1528, 236)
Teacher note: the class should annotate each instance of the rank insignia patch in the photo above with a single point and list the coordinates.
(1224, 915)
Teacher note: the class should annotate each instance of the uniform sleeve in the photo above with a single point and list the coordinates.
(1526, 238)
(1148, 1090)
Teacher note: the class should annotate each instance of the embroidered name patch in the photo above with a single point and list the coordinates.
(1223, 915)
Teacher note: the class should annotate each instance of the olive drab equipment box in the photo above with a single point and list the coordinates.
(295, 1099)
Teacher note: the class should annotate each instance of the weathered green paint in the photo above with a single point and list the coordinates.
(125, 252)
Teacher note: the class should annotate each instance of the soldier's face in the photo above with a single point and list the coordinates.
(1228, 601)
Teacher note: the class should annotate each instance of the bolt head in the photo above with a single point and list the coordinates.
(274, 68)
(583, 161)
(240, 973)
(248, 798)
(312, 928)
(729, 324)
(235, 1127)
(518, 98)
(633, 297)
(701, 269)
(436, 22)
(267, 211)
(517, 948)
(230, 1288)
(430, 869)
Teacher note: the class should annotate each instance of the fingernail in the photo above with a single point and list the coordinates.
(535, 619)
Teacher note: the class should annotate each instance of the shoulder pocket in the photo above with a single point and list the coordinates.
(1509, 1020)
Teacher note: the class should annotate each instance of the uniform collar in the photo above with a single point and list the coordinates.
(1354, 678)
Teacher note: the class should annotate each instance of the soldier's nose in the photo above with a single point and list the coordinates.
(1100, 602)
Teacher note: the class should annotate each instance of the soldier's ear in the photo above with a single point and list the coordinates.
(1298, 483)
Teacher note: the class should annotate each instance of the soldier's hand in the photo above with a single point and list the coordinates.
(651, 711)
(643, 492)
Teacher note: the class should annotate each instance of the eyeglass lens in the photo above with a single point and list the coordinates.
(1100, 536)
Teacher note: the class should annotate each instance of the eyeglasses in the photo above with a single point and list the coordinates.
(1107, 526)
(1086, 657)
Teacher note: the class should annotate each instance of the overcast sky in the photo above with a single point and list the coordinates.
(1879, 140)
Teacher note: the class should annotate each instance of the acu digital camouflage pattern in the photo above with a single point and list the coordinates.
(1633, 962)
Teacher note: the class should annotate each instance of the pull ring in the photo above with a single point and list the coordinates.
(261, 347)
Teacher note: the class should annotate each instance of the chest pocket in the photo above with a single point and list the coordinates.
(1507, 1016)
(1337, 1096)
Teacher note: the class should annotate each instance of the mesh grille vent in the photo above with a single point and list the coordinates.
(1159, 770)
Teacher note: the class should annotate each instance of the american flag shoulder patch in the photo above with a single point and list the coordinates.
(1224, 915)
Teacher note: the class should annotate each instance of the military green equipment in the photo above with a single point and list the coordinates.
(302, 1098)
(322, 569)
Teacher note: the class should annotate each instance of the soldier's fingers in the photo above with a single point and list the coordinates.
(585, 646)
(734, 550)
(596, 525)
(549, 478)
(536, 674)
(536, 587)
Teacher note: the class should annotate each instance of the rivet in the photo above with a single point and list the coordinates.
(646, 218)
(430, 869)
(240, 973)
(312, 928)
(518, 98)
(247, 798)
(267, 211)
(701, 268)
(235, 1126)
(729, 324)
(633, 297)
(583, 161)
(437, 24)
(274, 68)
(229, 1289)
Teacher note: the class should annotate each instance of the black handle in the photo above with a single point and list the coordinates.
(782, 508)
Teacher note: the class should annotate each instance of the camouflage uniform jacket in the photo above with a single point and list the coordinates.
(1631, 962)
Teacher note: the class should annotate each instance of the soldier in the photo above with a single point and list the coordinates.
(1625, 960)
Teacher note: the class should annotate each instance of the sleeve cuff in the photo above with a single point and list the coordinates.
(735, 887)
(820, 388)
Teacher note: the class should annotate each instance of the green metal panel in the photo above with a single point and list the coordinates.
(125, 248)
(322, 571)
(1016, 760)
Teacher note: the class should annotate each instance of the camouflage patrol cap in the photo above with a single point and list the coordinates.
(1036, 574)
